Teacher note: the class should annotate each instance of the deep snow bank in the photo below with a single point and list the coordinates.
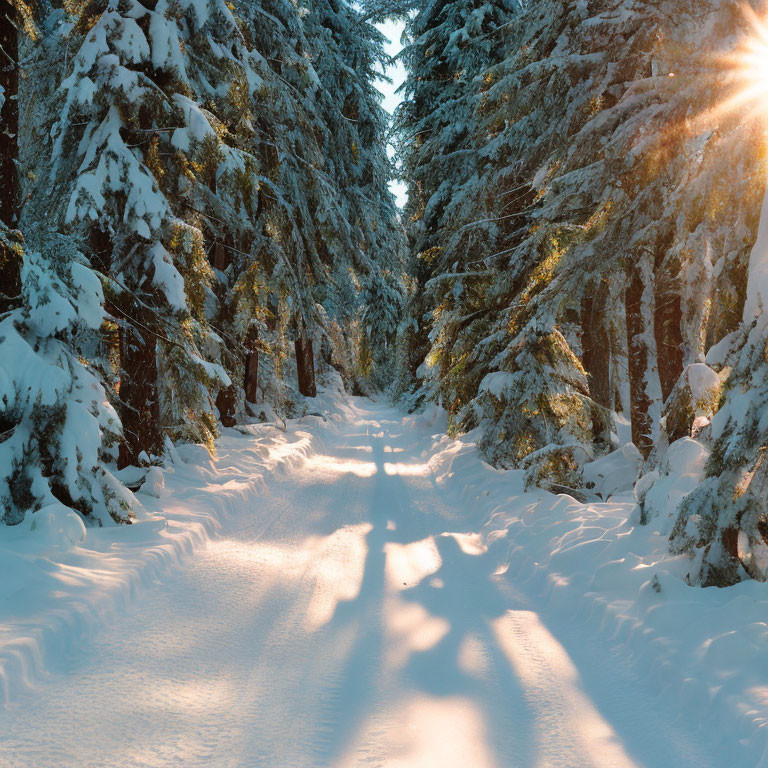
(587, 564)
(704, 650)
(61, 581)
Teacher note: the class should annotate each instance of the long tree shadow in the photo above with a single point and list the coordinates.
(351, 703)
(467, 601)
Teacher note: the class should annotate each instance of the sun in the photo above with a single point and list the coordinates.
(748, 64)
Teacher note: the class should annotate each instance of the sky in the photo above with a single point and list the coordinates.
(393, 30)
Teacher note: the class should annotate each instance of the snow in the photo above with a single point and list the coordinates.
(613, 473)
(720, 352)
(166, 46)
(702, 380)
(681, 470)
(360, 589)
(497, 383)
(197, 125)
(166, 277)
(57, 527)
(757, 280)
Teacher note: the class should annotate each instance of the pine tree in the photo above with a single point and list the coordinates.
(595, 182)
(450, 45)
(723, 524)
(9, 113)
(325, 223)
(55, 425)
(157, 90)
(9, 128)
(358, 239)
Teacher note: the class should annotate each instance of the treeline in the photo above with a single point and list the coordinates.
(580, 222)
(195, 222)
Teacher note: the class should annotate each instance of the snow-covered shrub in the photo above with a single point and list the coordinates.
(615, 472)
(56, 422)
(693, 401)
(538, 416)
(661, 491)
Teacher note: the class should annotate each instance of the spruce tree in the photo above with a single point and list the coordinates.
(56, 428)
(9, 151)
(450, 44)
(56, 425)
(147, 110)
(596, 184)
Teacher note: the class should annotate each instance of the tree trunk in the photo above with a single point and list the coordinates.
(139, 406)
(596, 347)
(667, 328)
(10, 264)
(305, 365)
(219, 256)
(640, 402)
(251, 378)
(9, 115)
(225, 402)
(596, 358)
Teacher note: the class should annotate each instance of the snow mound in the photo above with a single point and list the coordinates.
(593, 565)
(681, 470)
(61, 581)
(614, 473)
(57, 526)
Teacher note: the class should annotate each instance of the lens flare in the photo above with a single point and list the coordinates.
(749, 65)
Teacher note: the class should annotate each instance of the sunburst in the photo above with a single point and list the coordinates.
(748, 64)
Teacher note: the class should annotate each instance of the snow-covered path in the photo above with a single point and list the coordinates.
(352, 620)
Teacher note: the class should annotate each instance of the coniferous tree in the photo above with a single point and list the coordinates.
(595, 182)
(55, 424)
(9, 113)
(156, 168)
(358, 240)
(224, 171)
(723, 524)
(450, 44)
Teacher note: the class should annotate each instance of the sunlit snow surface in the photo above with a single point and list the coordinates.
(371, 595)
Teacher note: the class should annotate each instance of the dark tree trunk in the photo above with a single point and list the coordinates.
(596, 359)
(101, 246)
(139, 407)
(10, 264)
(226, 399)
(596, 346)
(219, 256)
(640, 403)
(225, 402)
(305, 364)
(9, 116)
(251, 377)
(667, 328)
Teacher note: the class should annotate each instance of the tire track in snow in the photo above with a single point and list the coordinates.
(292, 642)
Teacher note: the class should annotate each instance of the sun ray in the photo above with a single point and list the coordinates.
(748, 66)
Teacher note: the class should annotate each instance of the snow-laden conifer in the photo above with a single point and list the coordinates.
(147, 110)
(592, 223)
(450, 45)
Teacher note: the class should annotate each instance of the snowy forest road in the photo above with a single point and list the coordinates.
(351, 621)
